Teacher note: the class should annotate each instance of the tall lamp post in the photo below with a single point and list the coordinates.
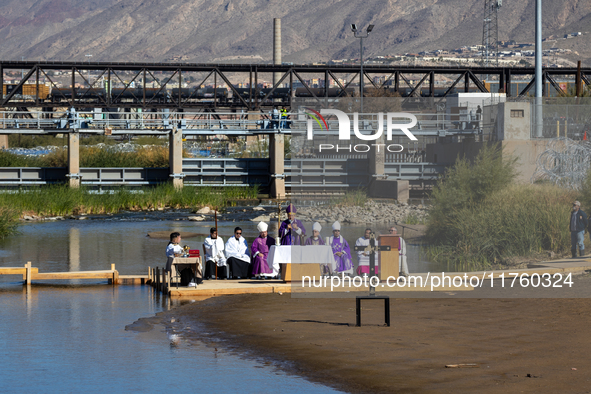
(88, 57)
(361, 36)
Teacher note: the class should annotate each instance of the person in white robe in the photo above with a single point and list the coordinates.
(214, 255)
(363, 257)
(237, 255)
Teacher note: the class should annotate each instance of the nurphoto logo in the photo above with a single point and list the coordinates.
(345, 129)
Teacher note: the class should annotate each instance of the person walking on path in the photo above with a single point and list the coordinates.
(578, 224)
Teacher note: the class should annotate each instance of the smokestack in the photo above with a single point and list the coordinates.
(276, 47)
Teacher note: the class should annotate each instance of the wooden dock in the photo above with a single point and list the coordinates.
(162, 282)
(31, 273)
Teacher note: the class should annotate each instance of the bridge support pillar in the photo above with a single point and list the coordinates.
(252, 117)
(379, 185)
(377, 158)
(276, 157)
(3, 141)
(175, 157)
(74, 159)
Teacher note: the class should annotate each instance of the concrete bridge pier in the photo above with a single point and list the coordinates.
(175, 157)
(380, 186)
(74, 159)
(3, 141)
(277, 166)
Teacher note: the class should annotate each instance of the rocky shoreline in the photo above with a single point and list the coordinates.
(371, 212)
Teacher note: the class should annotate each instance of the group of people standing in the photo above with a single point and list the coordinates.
(233, 260)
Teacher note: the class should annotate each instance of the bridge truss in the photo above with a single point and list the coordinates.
(238, 86)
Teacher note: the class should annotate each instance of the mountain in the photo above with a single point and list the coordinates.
(242, 30)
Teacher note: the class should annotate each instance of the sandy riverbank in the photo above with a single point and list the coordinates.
(520, 345)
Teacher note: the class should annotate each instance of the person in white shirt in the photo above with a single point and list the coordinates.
(214, 255)
(237, 255)
(173, 248)
(363, 257)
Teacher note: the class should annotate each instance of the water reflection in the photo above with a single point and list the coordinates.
(72, 338)
(74, 245)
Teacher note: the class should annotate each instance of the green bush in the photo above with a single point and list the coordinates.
(466, 185)
(519, 220)
(481, 218)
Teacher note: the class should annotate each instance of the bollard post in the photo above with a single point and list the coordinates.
(28, 269)
(157, 278)
(115, 275)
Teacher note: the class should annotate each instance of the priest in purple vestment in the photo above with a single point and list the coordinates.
(341, 250)
(315, 239)
(260, 251)
(292, 231)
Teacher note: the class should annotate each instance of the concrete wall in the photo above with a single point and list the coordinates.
(510, 127)
(447, 153)
(527, 153)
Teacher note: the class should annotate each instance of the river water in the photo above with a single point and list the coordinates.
(70, 337)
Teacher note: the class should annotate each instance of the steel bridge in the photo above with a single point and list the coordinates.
(180, 85)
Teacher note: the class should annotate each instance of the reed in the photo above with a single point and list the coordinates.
(353, 198)
(8, 221)
(63, 200)
(481, 218)
(92, 156)
(519, 220)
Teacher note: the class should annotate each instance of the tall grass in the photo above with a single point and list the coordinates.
(92, 156)
(353, 198)
(481, 218)
(519, 220)
(8, 221)
(63, 200)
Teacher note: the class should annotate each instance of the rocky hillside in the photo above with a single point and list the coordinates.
(241, 30)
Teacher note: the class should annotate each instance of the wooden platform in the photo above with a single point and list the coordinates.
(17, 271)
(211, 288)
(31, 273)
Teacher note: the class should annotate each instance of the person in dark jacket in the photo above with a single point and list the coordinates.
(577, 226)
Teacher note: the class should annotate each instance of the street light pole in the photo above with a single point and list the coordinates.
(88, 56)
(361, 36)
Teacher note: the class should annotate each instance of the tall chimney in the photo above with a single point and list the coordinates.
(276, 47)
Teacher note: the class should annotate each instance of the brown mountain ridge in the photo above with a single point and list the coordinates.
(241, 30)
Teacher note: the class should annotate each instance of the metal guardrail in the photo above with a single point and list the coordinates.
(210, 123)
(28, 176)
(304, 173)
(341, 173)
(226, 172)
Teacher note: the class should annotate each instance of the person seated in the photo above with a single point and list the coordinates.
(341, 250)
(315, 239)
(237, 255)
(260, 251)
(363, 257)
(214, 254)
(402, 264)
(292, 231)
(173, 249)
